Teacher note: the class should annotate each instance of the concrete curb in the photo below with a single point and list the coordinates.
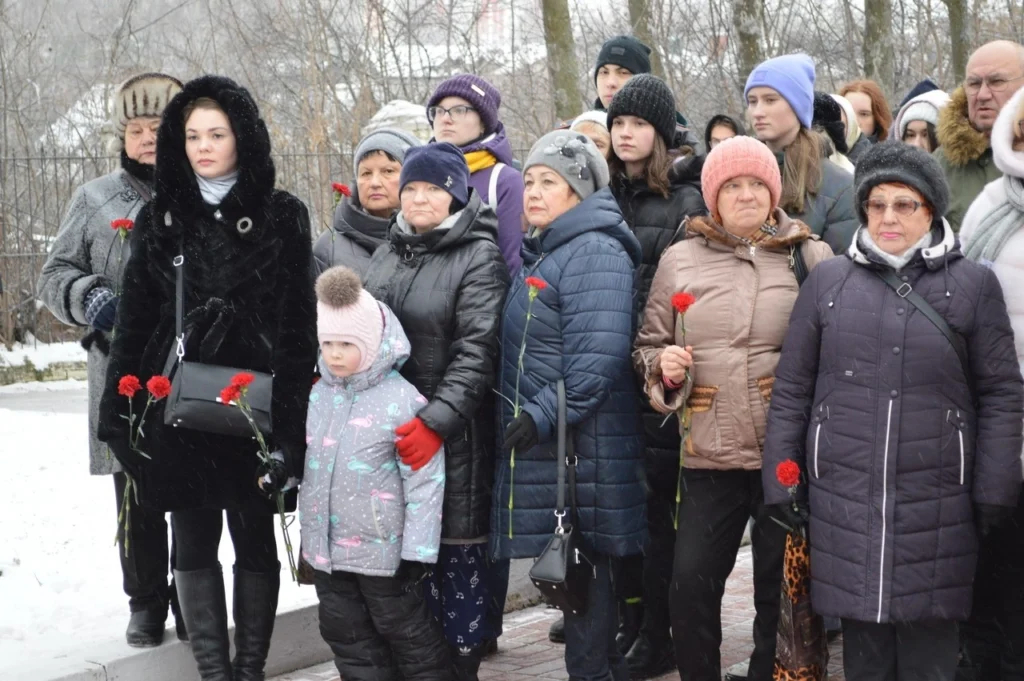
(296, 645)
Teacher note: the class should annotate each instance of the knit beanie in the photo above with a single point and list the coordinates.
(893, 161)
(573, 156)
(480, 94)
(926, 85)
(346, 312)
(441, 164)
(144, 95)
(828, 116)
(647, 97)
(390, 140)
(595, 116)
(625, 51)
(792, 76)
(739, 157)
(925, 107)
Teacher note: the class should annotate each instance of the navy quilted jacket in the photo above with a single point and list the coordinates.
(896, 440)
(581, 330)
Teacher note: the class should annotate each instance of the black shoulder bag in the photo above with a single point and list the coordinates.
(906, 291)
(562, 572)
(798, 264)
(194, 401)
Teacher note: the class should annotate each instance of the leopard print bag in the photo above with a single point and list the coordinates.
(801, 652)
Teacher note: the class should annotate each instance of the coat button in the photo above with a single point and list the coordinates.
(904, 278)
(900, 311)
(894, 393)
(895, 351)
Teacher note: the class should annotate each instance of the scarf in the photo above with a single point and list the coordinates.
(1002, 222)
(480, 160)
(215, 189)
(897, 262)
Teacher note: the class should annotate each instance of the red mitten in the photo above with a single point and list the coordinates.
(418, 445)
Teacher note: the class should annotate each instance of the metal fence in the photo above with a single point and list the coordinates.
(35, 193)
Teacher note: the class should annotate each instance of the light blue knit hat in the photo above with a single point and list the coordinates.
(792, 76)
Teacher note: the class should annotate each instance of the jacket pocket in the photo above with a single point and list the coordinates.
(820, 417)
(704, 439)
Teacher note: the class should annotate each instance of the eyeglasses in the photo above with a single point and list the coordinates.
(902, 207)
(456, 113)
(994, 83)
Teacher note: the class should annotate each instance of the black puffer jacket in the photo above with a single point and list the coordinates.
(894, 437)
(352, 239)
(249, 304)
(657, 223)
(448, 288)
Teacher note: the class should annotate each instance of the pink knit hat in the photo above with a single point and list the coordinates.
(737, 157)
(346, 312)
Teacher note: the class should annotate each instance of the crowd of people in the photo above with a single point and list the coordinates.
(826, 281)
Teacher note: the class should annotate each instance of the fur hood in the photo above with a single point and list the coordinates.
(1008, 160)
(937, 99)
(961, 143)
(175, 181)
(790, 232)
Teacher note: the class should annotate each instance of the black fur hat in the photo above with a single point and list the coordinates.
(894, 161)
(828, 116)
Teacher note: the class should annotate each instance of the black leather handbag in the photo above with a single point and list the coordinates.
(194, 401)
(563, 571)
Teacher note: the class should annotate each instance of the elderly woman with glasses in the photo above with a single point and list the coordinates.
(900, 397)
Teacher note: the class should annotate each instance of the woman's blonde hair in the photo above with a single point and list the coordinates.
(801, 171)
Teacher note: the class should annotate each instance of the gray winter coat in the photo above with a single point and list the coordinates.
(830, 213)
(88, 253)
(352, 239)
(361, 510)
(896, 439)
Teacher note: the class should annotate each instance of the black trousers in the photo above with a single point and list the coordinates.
(197, 532)
(993, 637)
(715, 509)
(662, 474)
(379, 628)
(911, 651)
(590, 650)
(144, 569)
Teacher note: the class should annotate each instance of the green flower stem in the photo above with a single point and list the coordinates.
(515, 405)
(685, 419)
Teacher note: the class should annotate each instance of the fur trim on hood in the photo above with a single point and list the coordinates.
(790, 232)
(1006, 159)
(960, 142)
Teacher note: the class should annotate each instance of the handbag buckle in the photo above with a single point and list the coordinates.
(559, 515)
(178, 261)
(904, 293)
(181, 345)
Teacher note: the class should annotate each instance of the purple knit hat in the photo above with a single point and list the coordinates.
(483, 97)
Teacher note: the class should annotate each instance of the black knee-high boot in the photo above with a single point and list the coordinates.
(201, 598)
(467, 662)
(255, 607)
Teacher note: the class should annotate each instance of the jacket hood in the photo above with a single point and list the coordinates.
(735, 123)
(175, 181)
(960, 142)
(937, 99)
(369, 231)
(599, 212)
(475, 222)
(497, 143)
(393, 353)
(1007, 160)
(790, 232)
(945, 248)
(853, 132)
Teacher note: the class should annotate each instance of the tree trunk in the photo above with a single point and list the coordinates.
(878, 50)
(747, 19)
(958, 37)
(562, 67)
(640, 20)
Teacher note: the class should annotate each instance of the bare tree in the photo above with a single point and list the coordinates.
(878, 48)
(562, 66)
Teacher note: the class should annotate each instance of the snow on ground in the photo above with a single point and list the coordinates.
(41, 355)
(60, 590)
(43, 387)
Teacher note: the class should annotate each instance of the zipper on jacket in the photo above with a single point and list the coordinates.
(960, 434)
(817, 433)
(885, 497)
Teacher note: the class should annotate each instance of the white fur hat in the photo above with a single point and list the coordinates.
(143, 95)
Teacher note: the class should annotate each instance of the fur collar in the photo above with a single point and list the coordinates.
(246, 205)
(790, 233)
(960, 142)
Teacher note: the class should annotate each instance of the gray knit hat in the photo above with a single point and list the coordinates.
(573, 156)
(893, 161)
(144, 95)
(647, 97)
(393, 141)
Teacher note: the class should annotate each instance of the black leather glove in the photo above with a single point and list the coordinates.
(988, 518)
(521, 434)
(411, 573)
(272, 474)
(101, 309)
(793, 515)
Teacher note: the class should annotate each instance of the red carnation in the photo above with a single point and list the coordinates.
(682, 301)
(159, 387)
(230, 394)
(242, 379)
(123, 223)
(342, 189)
(128, 386)
(537, 283)
(788, 473)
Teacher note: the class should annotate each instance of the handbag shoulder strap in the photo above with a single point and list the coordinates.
(907, 292)
(798, 263)
(492, 187)
(178, 353)
(566, 460)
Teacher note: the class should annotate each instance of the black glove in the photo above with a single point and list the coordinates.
(521, 434)
(272, 474)
(101, 309)
(411, 573)
(988, 517)
(793, 515)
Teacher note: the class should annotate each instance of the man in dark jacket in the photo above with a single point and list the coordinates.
(910, 440)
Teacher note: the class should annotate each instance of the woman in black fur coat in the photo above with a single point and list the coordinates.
(248, 304)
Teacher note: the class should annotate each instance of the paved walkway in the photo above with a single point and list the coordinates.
(525, 654)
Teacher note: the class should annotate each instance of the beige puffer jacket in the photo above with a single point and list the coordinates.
(744, 296)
